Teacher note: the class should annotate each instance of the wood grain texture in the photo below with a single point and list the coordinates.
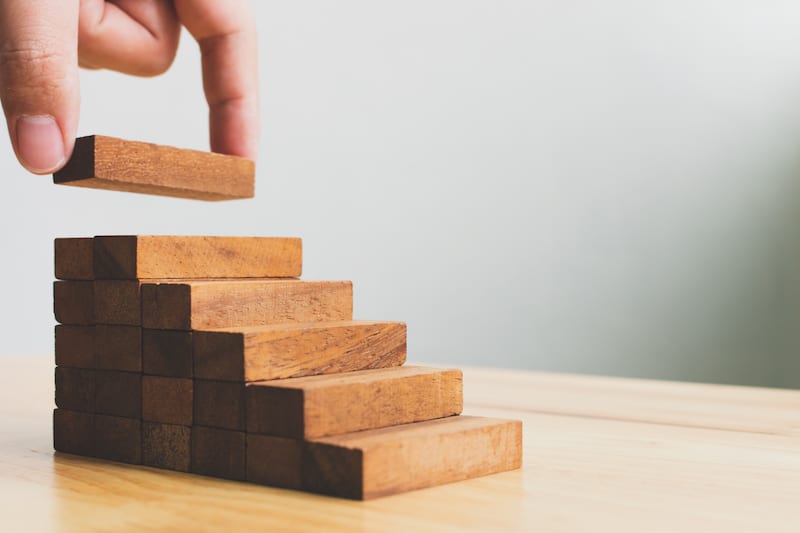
(118, 393)
(167, 353)
(74, 346)
(317, 406)
(288, 350)
(218, 452)
(75, 389)
(219, 404)
(73, 432)
(167, 400)
(108, 163)
(118, 347)
(381, 462)
(181, 257)
(167, 446)
(275, 461)
(73, 258)
(118, 438)
(118, 302)
(73, 302)
(198, 305)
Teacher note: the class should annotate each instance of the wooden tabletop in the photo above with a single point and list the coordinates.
(600, 454)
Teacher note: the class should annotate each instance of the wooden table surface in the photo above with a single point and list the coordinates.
(600, 454)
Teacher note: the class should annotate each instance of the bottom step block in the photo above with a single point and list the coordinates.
(380, 462)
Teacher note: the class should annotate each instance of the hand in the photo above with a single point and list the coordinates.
(42, 43)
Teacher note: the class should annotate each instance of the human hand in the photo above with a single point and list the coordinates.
(43, 42)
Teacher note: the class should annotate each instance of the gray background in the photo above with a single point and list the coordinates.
(604, 187)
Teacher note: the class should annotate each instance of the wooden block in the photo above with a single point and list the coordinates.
(75, 346)
(218, 452)
(275, 461)
(75, 389)
(171, 257)
(219, 404)
(73, 302)
(290, 350)
(167, 446)
(167, 400)
(118, 438)
(167, 353)
(118, 393)
(73, 432)
(100, 162)
(317, 406)
(117, 302)
(218, 304)
(73, 259)
(118, 347)
(386, 461)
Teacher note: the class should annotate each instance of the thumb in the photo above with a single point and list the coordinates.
(39, 79)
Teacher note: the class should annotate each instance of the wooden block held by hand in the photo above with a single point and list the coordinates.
(172, 257)
(75, 346)
(167, 400)
(386, 461)
(73, 259)
(73, 302)
(73, 432)
(317, 406)
(118, 347)
(100, 162)
(166, 446)
(294, 350)
(194, 305)
(218, 452)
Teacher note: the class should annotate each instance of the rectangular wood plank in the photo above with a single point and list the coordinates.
(167, 400)
(167, 446)
(186, 257)
(118, 393)
(295, 350)
(275, 461)
(318, 406)
(219, 404)
(118, 347)
(218, 452)
(73, 432)
(194, 305)
(167, 353)
(73, 258)
(108, 163)
(73, 302)
(74, 346)
(118, 438)
(75, 389)
(386, 461)
(118, 302)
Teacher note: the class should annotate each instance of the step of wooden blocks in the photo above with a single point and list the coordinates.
(108, 163)
(318, 406)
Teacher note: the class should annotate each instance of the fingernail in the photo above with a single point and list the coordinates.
(39, 143)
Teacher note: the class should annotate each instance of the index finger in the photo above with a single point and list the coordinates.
(226, 34)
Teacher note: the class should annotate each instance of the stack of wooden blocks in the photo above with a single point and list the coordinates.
(209, 355)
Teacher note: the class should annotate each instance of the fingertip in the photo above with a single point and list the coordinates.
(39, 144)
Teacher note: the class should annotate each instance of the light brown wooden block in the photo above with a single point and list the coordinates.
(173, 257)
(218, 304)
(118, 302)
(295, 350)
(167, 400)
(75, 346)
(73, 432)
(219, 404)
(275, 461)
(218, 452)
(118, 393)
(73, 259)
(75, 389)
(166, 446)
(386, 461)
(118, 438)
(316, 406)
(73, 302)
(118, 347)
(167, 353)
(100, 162)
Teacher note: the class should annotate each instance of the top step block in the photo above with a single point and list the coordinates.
(172, 257)
(100, 162)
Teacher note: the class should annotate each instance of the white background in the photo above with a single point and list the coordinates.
(607, 187)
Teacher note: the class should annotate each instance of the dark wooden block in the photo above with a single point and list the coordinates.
(73, 302)
(218, 452)
(73, 259)
(118, 438)
(219, 404)
(118, 347)
(167, 353)
(275, 461)
(167, 400)
(167, 446)
(117, 302)
(75, 389)
(75, 346)
(73, 432)
(118, 393)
